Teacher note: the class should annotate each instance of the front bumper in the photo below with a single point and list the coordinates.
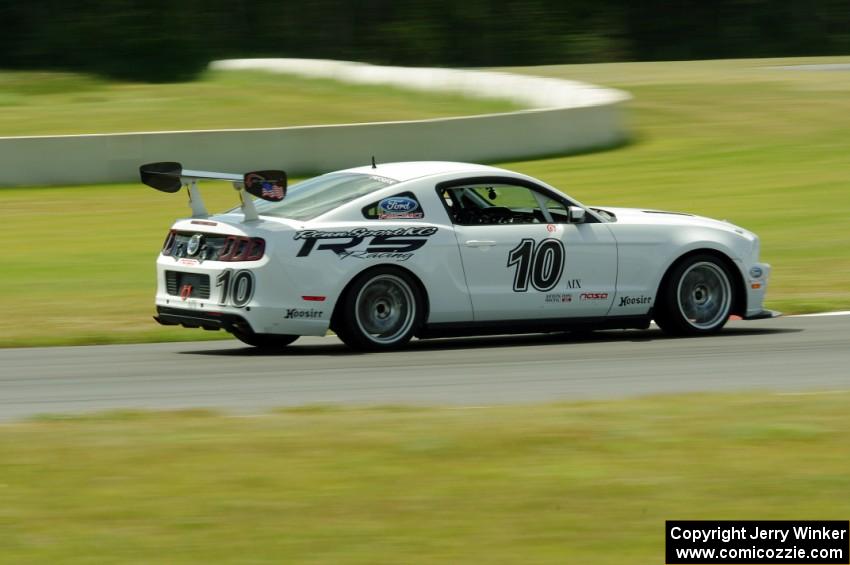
(764, 314)
(756, 289)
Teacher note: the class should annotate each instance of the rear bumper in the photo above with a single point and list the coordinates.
(275, 306)
(195, 319)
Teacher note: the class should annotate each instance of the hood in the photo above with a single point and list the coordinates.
(649, 216)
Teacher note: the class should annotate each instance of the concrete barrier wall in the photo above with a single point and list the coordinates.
(566, 117)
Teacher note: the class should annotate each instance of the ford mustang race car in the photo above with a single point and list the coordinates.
(380, 254)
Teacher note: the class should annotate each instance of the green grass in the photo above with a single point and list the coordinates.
(570, 483)
(765, 148)
(55, 103)
(740, 140)
(81, 267)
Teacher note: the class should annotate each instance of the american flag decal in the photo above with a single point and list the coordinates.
(272, 190)
(268, 185)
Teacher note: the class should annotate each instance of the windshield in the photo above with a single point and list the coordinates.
(311, 198)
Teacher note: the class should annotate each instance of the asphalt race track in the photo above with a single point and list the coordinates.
(784, 354)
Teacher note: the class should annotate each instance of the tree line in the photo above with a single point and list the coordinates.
(158, 40)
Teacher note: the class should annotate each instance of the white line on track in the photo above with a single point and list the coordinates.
(814, 392)
(840, 313)
(815, 315)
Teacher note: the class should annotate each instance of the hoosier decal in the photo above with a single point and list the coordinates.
(302, 313)
(633, 301)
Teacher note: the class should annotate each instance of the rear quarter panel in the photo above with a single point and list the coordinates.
(436, 263)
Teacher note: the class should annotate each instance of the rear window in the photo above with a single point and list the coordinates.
(312, 198)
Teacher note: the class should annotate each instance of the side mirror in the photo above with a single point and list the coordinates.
(268, 185)
(576, 215)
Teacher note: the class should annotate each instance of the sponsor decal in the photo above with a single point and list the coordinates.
(593, 296)
(574, 283)
(189, 262)
(550, 228)
(399, 207)
(401, 256)
(559, 298)
(301, 313)
(633, 300)
(365, 232)
(396, 244)
(194, 244)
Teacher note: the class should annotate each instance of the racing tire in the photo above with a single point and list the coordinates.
(696, 297)
(265, 341)
(381, 310)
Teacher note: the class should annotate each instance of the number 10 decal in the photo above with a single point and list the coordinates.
(541, 264)
(237, 288)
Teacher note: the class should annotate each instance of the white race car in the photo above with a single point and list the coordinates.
(380, 254)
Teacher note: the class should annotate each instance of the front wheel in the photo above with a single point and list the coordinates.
(696, 297)
(380, 310)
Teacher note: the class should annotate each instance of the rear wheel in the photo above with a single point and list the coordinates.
(264, 341)
(696, 298)
(380, 310)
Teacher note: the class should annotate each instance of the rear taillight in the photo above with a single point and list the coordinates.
(237, 248)
(169, 242)
(213, 247)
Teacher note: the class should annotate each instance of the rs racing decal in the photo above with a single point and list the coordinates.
(397, 244)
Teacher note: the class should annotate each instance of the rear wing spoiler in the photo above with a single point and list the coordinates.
(171, 177)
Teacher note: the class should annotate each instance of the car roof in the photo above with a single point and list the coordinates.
(410, 170)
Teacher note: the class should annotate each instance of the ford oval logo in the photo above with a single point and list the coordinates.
(194, 245)
(398, 204)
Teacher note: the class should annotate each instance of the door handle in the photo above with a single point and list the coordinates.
(479, 243)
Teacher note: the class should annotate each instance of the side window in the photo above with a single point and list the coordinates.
(400, 206)
(557, 210)
(487, 204)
